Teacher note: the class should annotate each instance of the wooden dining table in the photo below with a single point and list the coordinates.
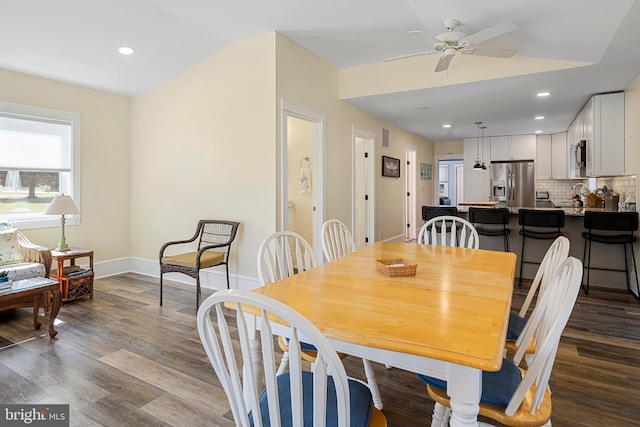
(448, 321)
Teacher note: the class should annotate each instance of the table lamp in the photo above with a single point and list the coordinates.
(62, 205)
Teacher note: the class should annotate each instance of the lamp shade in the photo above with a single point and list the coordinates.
(62, 205)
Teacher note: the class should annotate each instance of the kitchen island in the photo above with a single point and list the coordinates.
(610, 256)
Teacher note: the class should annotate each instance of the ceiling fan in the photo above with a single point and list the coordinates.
(451, 42)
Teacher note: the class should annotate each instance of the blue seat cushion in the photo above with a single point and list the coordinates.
(516, 325)
(497, 387)
(307, 347)
(359, 394)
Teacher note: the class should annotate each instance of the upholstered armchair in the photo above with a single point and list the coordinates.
(21, 259)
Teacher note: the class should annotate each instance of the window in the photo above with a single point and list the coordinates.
(39, 159)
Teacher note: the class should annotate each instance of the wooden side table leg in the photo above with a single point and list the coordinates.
(55, 308)
(37, 298)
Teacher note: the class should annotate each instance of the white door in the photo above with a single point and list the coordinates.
(363, 182)
(410, 190)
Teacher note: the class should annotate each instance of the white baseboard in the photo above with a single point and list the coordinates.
(214, 278)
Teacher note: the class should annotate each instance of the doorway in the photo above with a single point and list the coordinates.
(449, 180)
(302, 194)
(363, 219)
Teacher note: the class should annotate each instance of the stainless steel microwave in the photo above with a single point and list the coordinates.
(578, 160)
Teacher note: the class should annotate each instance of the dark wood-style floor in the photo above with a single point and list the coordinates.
(121, 360)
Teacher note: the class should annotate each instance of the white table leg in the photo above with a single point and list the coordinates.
(464, 387)
(256, 355)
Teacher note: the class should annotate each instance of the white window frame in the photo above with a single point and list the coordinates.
(44, 221)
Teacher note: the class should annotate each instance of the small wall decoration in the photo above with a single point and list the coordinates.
(390, 167)
(426, 171)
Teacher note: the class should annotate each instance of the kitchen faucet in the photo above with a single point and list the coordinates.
(581, 184)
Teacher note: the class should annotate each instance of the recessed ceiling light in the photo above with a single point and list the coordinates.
(544, 93)
(446, 126)
(538, 131)
(539, 117)
(126, 50)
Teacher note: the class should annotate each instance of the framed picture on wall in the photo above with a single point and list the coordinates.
(426, 171)
(390, 167)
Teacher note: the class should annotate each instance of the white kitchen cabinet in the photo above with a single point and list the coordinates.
(559, 159)
(523, 147)
(551, 156)
(477, 185)
(601, 125)
(500, 148)
(513, 147)
(471, 151)
(608, 134)
(543, 157)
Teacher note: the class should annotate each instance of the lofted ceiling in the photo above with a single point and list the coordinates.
(76, 41)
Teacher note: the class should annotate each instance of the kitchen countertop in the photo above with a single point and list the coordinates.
(567, 211)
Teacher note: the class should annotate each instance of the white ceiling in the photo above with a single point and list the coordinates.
(76, 41)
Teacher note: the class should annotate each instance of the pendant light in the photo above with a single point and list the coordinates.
(483, 167)
(478, 164)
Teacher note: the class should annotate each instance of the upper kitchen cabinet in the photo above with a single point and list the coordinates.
(559, 160)
(513, 147)
(601, 125)
(471, 151)
(551, 156)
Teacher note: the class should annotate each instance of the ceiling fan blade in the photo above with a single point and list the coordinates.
(408, 56)
(488, 51)
(489, 33)
(443, 63)
(428, 38)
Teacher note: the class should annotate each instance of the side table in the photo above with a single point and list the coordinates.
(75, 282)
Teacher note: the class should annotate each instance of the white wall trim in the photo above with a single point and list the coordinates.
(370, 144)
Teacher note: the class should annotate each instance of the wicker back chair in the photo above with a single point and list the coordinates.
(214, 239)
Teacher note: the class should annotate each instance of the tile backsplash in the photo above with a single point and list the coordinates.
(560, 189)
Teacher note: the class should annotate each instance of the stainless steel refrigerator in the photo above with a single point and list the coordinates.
(514, 181)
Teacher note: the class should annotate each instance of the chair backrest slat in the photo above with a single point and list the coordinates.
(556, 254)
(282, 255)
(337, 240)
(449, 231)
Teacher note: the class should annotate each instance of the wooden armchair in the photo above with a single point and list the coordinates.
(214, 239)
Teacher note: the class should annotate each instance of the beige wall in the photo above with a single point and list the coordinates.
(449, 147)
(204, 148)
(106, 162)
(307, 80)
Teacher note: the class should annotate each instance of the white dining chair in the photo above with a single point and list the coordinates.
(337, 240)
(513, 396)
(555, 256)
(282, 255)
(448, 230)
(322, 396)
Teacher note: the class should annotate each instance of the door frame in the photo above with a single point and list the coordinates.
(319, 120)
(410, 187)
(436, 176)
(370, 144)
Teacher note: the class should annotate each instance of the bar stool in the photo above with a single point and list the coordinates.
(538, 219)
(610, 221)
(429, 212)
(499, 216)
